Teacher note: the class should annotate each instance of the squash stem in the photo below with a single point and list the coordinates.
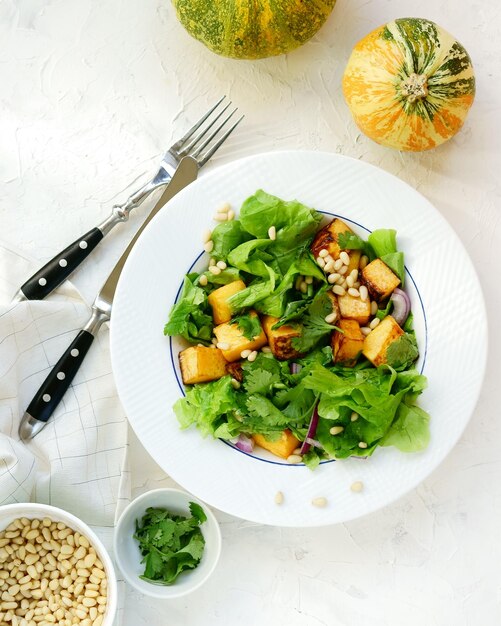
(415, 87)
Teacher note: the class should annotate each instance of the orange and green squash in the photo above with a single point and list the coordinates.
(409, 84)
(250, 29)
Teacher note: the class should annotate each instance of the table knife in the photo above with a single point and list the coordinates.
(59, 379)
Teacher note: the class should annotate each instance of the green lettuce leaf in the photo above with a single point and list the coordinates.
(191, 317)
(226, 237)
(384, 244)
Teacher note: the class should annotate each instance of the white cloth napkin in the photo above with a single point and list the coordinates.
(79, 460)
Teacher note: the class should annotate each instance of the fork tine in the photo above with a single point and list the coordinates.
(186, 150)
(212, 135)
(179, 144)
(210, 152)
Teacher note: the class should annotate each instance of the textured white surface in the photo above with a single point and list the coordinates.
(92, 92)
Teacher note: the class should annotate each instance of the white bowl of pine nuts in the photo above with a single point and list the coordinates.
(53, 569)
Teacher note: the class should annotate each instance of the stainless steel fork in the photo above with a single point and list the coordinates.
(200, 142)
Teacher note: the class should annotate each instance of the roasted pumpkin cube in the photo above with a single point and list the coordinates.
(218, 299)
(283, 447)
(353, 308)
(200, 364)
(327, 239)
(233, 337)
(335, 306)
(347, 343)
(376, 343)
(280, 339)
(235, 371)
(379, 279)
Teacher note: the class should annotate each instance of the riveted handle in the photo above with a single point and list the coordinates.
(61, 266)
(56, 384)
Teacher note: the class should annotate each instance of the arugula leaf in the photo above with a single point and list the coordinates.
(249, 325)
(275, 303)
(314, 325)
(402, 352)
(350, 241)
(190, 317)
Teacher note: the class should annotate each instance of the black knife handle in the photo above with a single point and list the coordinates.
(57, 382)
(61, 266)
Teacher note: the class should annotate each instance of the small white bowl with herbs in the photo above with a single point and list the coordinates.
(167, 543)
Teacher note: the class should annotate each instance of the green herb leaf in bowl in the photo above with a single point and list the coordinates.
(170, 543)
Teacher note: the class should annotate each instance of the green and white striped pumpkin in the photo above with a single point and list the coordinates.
(247, 29)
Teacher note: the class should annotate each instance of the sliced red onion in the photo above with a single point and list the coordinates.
(295, 368)
(312, 429)
(244, 443)
(314, 443)
(401, 306)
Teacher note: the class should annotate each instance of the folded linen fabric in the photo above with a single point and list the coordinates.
(79, 460)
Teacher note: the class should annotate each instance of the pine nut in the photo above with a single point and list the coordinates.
(330, 267)
(336, 430)
(231, 215)
(374, 307)
(357, 486)
(345, 257)
(338, 290)
(331, 318)
(374, 323)
(364, 293)
(293, 459)
(279, 497)
(354, 416)
(363, 261)
(206, 236)
(320, 502)
(329, 259)
(234, 383)
(354, 275)
(338, 265)
(224, 208)
(303, 287)
(362, 444)
(353, 292)
(323, 253)
(266, 349)
(214, 269)
(320, 262)
(245, 353)
(220, 217)
(272, 233)
(209, 246)
(202, 280)
(252, 356)
(222, 265)
(350, 282)
(332, 278)
(343, 269)
(308, 280)
(365, 330)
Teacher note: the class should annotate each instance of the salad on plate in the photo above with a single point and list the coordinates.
(299, 337)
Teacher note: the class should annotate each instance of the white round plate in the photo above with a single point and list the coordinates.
(450, 323)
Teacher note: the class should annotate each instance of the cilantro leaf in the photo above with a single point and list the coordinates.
(170, 543)
(249, 325)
